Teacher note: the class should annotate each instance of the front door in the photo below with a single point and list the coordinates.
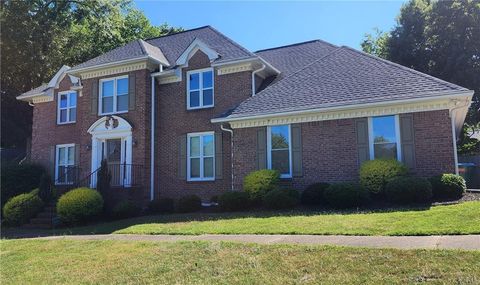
(114, 153)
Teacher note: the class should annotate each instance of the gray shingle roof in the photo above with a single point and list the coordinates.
(342, 77)
(35, 91)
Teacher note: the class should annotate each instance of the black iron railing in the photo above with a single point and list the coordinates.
(68, 175)
(126, 175)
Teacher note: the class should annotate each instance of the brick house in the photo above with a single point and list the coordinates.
(194, 112)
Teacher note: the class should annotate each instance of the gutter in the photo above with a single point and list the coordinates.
(109, 64)
(253, 78)
(231, 152)
(454, 133)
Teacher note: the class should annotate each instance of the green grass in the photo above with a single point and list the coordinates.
(129, 262)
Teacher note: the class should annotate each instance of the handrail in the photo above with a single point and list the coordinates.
(71, 170)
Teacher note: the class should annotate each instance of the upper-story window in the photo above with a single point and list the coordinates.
(200, 89)
(67, 107)
(384, 137)
(113, 95)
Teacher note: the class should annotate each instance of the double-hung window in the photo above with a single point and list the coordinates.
(385, 137)
(113, 95)
(65, 161)
(67, 107)
(201, 156)
(200, 89)
(279, 147)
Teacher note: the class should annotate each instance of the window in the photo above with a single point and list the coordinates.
(65, 161)
(114, 95)
(384, 137)
(200, 89)
(67, 107)
(280, 150)
(201, 157)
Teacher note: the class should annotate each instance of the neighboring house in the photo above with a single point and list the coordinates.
(194, 112)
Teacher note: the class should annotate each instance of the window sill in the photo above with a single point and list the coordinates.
(64, 184)
(66, 123)
(201, 180)
(113, 113)
(200, 108)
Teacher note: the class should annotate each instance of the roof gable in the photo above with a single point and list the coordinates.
(196, 45)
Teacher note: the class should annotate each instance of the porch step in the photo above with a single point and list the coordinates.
(44, 219)
(48, 215)
(37, 226)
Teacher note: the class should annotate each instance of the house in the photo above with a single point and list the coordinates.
(194, 112)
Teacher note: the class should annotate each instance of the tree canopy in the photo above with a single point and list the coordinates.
(39, 36)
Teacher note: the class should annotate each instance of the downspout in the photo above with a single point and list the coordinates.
(454, 133)
(152, 137)
(231, 152)
(253, 77)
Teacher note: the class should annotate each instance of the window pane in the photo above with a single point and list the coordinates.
(63, 116)
(194, 81)
(61, 155)
(208, 97)
(280, 137)
(195, 167)
(107, 88)
(194, 99)
(63, 101)
(73, 99)
(71, 155)
(207, 79)
(107, 105)
(384, 129)
(280, 161)
(208, 167)
(122, 86)
(208, 145)
(194, 146)
(122, 103)
(73, 114)
(385, 150)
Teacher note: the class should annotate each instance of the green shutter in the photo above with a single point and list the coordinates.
(94, 99)
(218, 156)
(407, 139)
(297, 150)
(182, 157)
(131, 91)
(261, 158)
(52, 162)
(363, 147)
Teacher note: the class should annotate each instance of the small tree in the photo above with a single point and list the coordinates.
(103, 178)
(45, 188)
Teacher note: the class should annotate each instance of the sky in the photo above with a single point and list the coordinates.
(260, 25)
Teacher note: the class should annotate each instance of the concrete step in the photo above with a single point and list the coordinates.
(45, 215)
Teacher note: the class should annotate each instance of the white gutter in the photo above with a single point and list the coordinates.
(109, 64)
(231, 152)
(152, 142)
(253, 78)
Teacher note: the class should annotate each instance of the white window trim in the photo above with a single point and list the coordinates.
(202, 157)
(397, 137)
(57, 151)
(67, 108)
(269, 150)
(100, 95)
(200, 86)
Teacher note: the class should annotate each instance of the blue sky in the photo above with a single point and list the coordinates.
(259, 25)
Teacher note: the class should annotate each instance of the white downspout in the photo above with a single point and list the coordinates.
(231, 152)
(152, 142)
(253, 77)
(454, 133)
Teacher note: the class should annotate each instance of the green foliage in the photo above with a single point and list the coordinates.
(21, 208)
(409, 189)
(45, 188)
(375, 174)
(161, 206)
(313, 194)
(103, 178)
(17, 179)
(260, 182)
(126, 209)
(346, 195)
(281, 199)
(448, 186)
(234, 201)
(79, 205)
(189, 203)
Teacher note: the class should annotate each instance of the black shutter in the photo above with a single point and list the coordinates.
(261, 158)
(218, 156)
(363, 147)
(407, 138)
(131, 91)
(94, 99)
(297, 150)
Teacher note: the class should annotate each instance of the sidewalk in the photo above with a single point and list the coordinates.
(465, 242)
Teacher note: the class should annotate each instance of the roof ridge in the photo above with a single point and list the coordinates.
(297, 44)
(230, 40)
(181, 32)
(411, 70)
(140, 42)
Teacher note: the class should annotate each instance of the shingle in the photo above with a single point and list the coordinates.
(35, 91)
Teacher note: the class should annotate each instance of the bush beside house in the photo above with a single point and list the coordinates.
(281, 199)
(126, 209)
(79, 205)
(448, 186)
(19, 178)
(234, 201)
(260, 182)
(313, 194)
(21, 208)
(404, 190)
(375, 174)
(346, 195)
(161, 206)
(189, 203)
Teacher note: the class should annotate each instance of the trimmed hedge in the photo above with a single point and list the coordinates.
(404, 190)
(313, 194)
(161, 206)
(375, 174)
(281, 199)
(346, 195)
(260, 182)
(448, 186)
(189, 203)
(21, 208)
(79, 205)
(19, 178)
(125, 209)
(234, 201)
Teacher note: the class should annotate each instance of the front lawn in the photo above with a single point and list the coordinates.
(113, 262)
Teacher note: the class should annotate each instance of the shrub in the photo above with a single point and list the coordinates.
(404, 190)
(280, 199)
(21, 208)
(448, 186)
(189, 203)
(45, 188)
(79, 205)
(258, 183)
(313, 194)
(234, 201)
(346, 195)
(375, 174)
(126, 209)
(161, 206)
(19, 178)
